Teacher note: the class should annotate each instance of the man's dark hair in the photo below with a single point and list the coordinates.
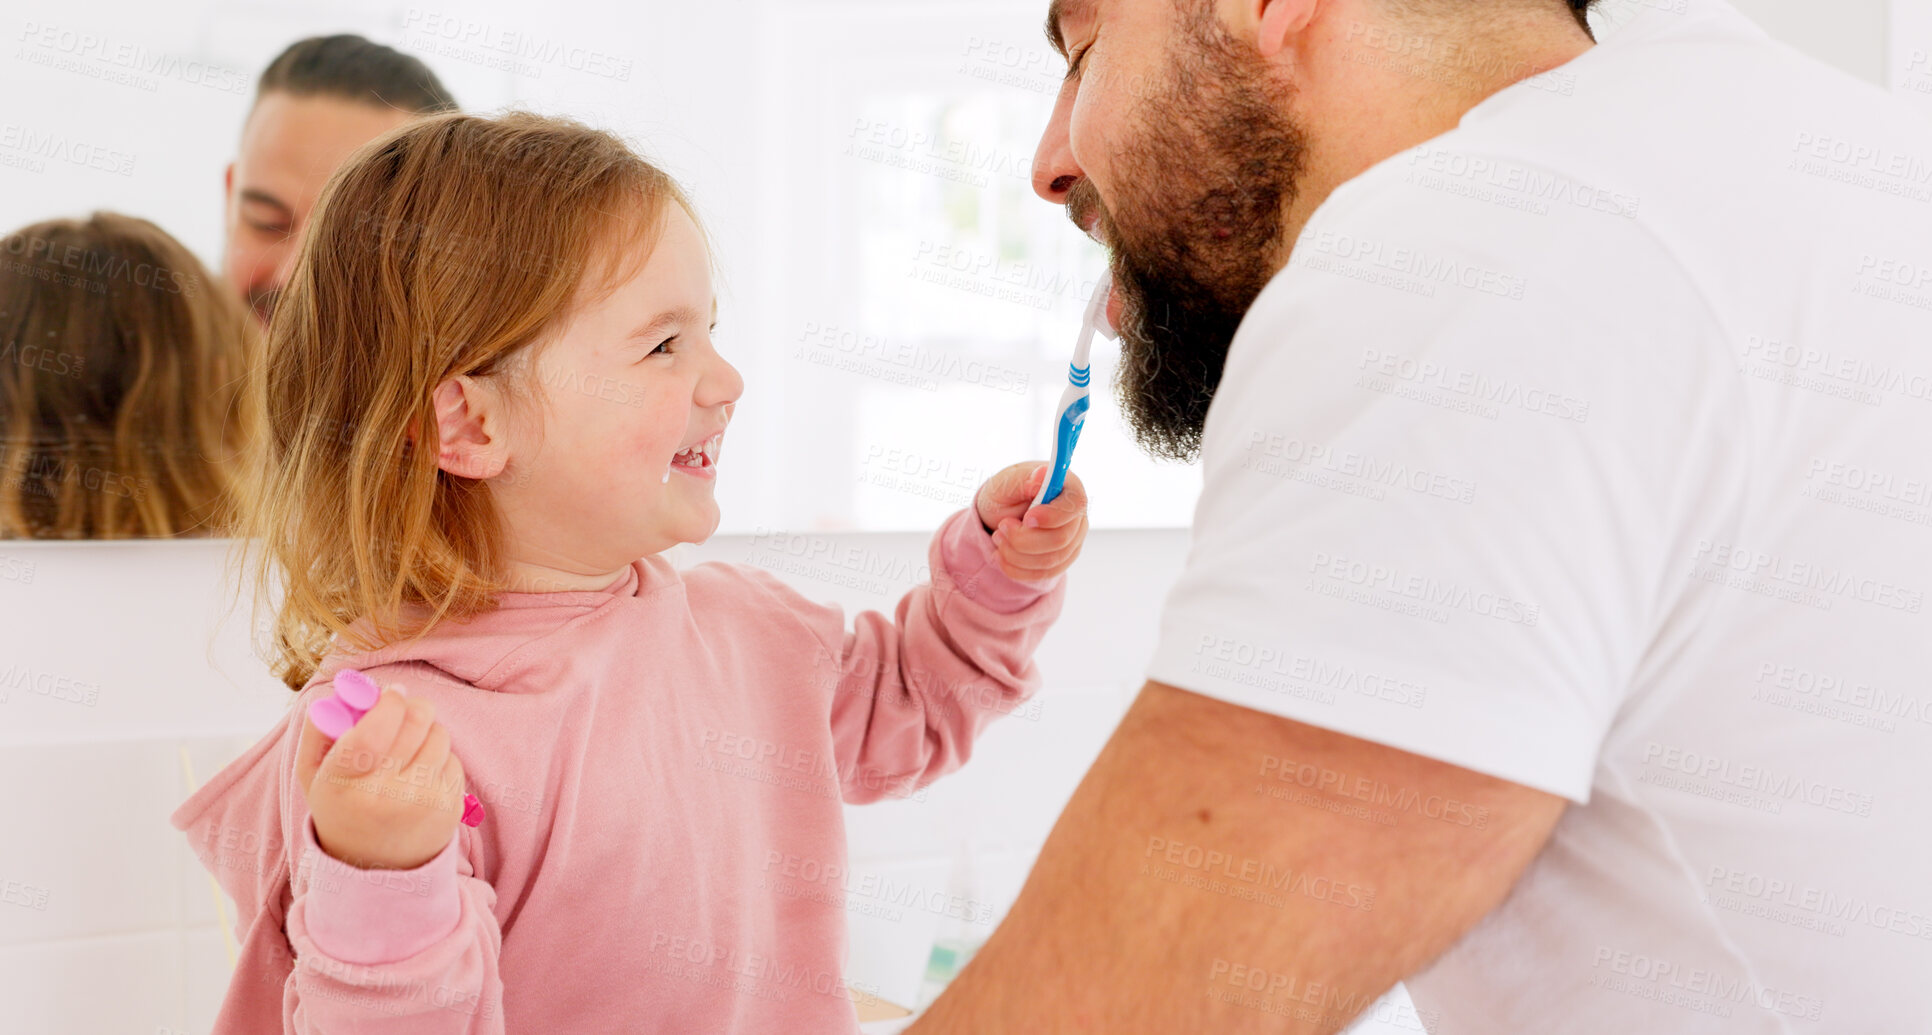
(355, 69)
(1581, 8)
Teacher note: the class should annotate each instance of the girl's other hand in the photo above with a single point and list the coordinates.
(1032, 542)
(389, 794)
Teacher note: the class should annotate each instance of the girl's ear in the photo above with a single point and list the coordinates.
(469, 428)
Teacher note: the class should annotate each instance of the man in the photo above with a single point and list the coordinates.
(1553, 634)
(315, 104)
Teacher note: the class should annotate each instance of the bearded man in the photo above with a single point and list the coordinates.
(1552, 638)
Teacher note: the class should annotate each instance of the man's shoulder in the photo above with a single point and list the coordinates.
(1676, 136)
(1446, 230)
(1447, 274)
(1461, 189)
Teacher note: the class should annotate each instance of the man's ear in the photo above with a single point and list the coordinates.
(469, 428)
(1280, 23)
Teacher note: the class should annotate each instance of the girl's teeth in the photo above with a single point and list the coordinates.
(700, 455)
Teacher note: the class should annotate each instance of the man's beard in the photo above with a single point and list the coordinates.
(1197, 225)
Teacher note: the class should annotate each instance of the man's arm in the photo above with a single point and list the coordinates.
(1225, 870)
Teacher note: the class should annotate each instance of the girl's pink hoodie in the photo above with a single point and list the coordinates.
(663, 764)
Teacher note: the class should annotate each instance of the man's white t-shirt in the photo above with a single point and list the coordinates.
(1589, 446)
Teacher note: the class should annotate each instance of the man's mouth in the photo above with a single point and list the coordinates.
(1091, 227)
(1084, 208)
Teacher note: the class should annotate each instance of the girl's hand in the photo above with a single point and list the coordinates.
(388, 795)
(1033, 543)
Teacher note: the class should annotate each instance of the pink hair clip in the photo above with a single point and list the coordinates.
(352, 697)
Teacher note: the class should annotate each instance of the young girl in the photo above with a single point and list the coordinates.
(489, 390)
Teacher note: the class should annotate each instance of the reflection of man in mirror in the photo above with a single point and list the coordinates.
(316, 103)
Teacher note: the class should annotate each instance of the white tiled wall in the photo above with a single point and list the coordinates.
(116, 682)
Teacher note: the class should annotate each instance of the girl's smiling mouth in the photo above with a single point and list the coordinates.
(699, 460)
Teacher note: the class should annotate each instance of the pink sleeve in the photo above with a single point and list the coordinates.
(915, 691)
(394, 950)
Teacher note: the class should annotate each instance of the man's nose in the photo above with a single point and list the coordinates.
(1054, 170)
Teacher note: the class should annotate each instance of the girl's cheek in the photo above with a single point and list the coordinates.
(662, 419)
(653, 449)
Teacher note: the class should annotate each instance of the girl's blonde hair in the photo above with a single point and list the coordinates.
(452, 246)
(121, 363)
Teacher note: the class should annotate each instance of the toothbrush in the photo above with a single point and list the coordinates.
(1074, 401)
(354, 695)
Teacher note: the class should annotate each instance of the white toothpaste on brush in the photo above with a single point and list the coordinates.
(1072, 413)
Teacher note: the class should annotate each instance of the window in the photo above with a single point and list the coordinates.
(935, 299)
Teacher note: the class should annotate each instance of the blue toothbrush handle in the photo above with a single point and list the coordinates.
(1065, 436)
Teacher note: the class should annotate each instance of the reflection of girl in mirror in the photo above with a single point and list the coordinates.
(492, 400)
(120, 370)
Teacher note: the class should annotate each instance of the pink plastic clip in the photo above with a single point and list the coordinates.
(353, 695)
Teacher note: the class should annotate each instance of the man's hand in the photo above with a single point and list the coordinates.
(1033, 543)
(1175, 863)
